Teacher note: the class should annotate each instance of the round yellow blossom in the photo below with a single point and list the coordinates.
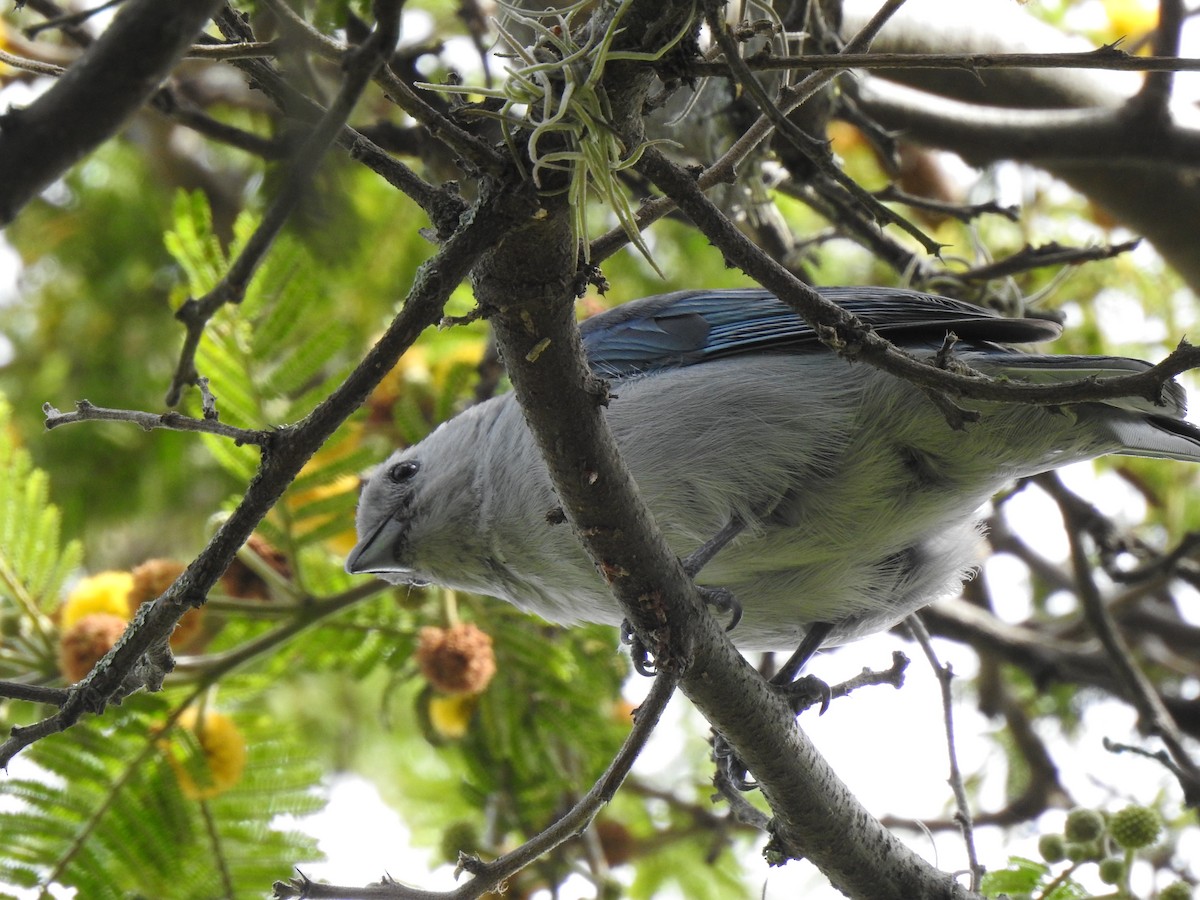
(450, 716)
(223, 749)
(104, 592)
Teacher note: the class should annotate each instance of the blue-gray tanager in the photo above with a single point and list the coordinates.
(858, 499)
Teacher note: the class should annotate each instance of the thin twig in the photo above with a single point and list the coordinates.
(73, 19)
(35, 66)
(81, 37)
(849, 337)
(945, 676)
(1154, 717)
(235, 50)
(1028, 259)
(1108, 57)
(147, 421)
(836, 209)
(962, 212)
(34, 693)
(487, 877)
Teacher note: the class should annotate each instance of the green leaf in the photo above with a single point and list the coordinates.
(108, 819)
(33, 560)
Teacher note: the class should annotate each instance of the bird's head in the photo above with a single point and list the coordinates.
(418, 513)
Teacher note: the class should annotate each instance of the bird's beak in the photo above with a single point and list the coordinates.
(376, 553)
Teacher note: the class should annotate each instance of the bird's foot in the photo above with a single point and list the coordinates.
(722, 601)
(800, 693)
(638, 652)
(807, 691)
(730, 766)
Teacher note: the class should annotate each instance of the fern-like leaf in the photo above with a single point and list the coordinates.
(106, 816)
(33, 561)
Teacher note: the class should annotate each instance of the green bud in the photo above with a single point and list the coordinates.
(1112, 870)
(1052, 847)
(1135, 827)
(1083, 851)
(1083, 825)
(1180, 890)
(460, 837)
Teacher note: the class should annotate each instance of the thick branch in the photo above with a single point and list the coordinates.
(1158, 201)
(981, 134)
(90, 102)
(526, 286)
(1108, 58)
(815, 814)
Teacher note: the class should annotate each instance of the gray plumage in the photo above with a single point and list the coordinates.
(860, 499)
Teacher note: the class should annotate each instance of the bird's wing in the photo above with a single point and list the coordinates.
(688, 327)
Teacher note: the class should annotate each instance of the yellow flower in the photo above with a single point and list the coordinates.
(105, 592)
(223, 752)
(1130, 18)
(451, 716)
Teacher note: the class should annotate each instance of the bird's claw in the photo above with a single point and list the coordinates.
(801, 694)
(722, 601)
(804, 692)
(732, 769)
(639, 655)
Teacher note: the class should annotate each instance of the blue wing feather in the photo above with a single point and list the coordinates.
(687, 327)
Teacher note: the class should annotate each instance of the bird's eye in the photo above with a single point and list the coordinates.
(403, 470)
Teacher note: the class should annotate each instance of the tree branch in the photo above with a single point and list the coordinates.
(1160, 202)
(1155, 94)
(1154, 718)
(174, 421)
(1108, 57)
(114, 77)
(1045, 656)
(945, 677)
(849, 337)
(985, 133)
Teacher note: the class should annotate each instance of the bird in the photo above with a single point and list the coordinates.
(846, 499)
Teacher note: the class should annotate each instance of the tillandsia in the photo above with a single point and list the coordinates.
(554, 112)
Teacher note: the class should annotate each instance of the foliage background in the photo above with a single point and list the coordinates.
(151, 219)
